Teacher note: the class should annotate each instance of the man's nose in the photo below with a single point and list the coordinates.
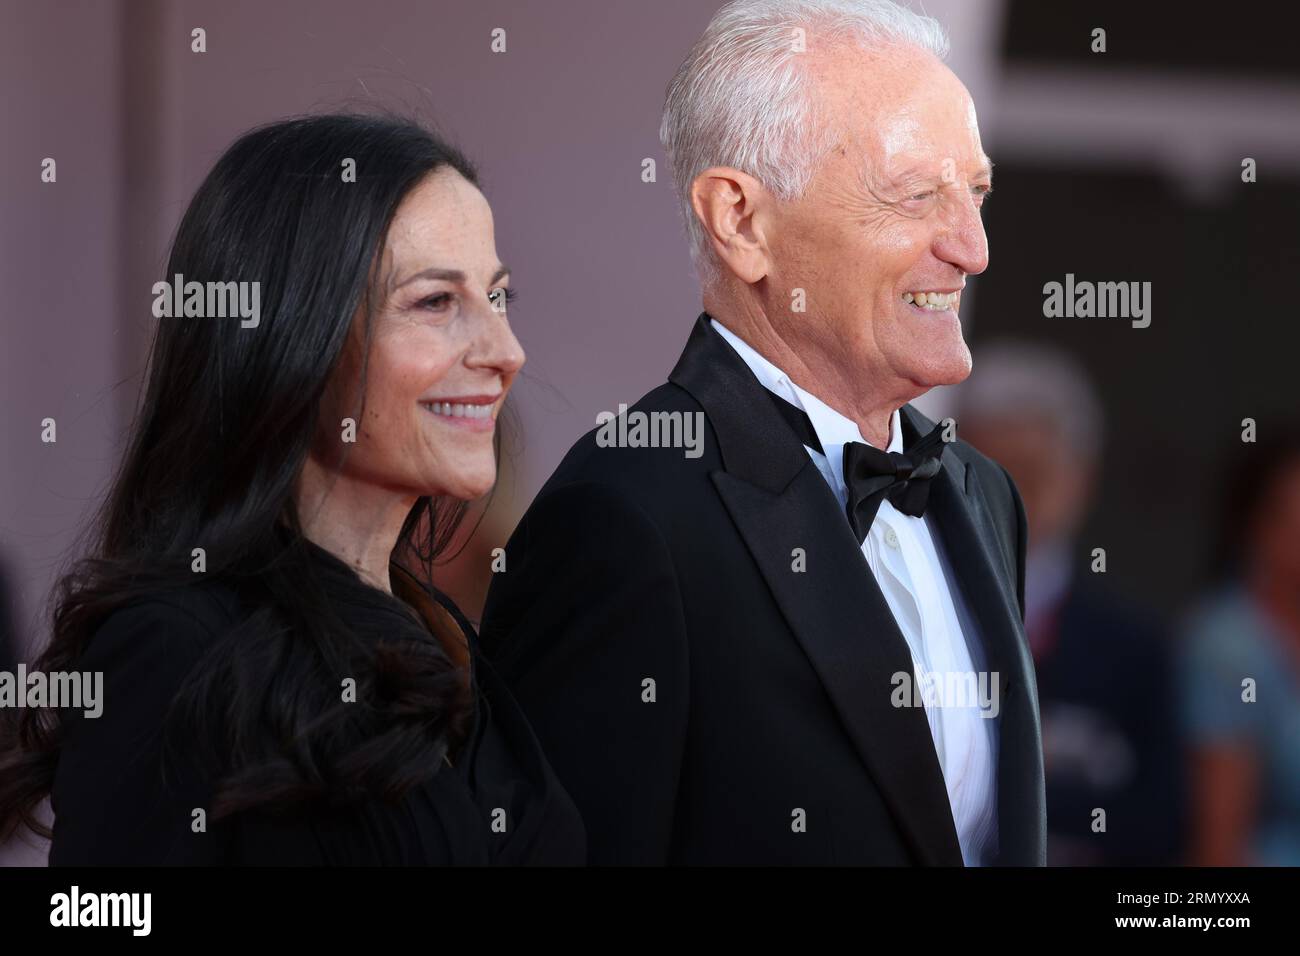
(962, 241)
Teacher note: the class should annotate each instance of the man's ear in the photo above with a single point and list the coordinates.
(730, 205)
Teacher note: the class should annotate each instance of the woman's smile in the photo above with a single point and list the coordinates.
(472, 412)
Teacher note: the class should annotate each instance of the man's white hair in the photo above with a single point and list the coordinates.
(743, 97)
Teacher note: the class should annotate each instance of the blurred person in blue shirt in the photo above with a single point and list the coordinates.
(1240, 670)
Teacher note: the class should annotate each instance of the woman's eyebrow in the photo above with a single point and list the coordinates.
(451, 275)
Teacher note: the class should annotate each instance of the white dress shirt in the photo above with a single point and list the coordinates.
(916, 580)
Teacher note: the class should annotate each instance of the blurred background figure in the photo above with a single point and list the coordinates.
(1240, 668)
(1105, 679)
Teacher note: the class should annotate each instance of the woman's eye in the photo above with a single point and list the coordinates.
(437, 302)
(920, 196)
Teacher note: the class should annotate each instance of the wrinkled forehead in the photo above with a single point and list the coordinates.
(896, 108)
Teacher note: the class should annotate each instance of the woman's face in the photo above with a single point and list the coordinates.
(442, 356)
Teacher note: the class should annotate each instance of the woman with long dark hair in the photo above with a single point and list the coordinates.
(281, 682)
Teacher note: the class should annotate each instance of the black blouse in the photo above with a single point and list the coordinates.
(116, 800)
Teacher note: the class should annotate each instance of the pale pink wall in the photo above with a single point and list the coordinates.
(60, 65)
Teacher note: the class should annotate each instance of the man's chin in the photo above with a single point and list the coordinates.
(951, 369)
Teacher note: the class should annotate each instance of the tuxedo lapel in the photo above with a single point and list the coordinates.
(958, 511)
(784, 509)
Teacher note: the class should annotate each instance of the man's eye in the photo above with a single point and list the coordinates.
(500, 298)
(924, 195)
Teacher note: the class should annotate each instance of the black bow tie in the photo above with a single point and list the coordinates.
(872, 475)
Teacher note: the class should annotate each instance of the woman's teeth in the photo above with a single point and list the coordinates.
(457, 410)
(934, 301)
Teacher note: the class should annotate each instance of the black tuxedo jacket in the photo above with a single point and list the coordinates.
(705, 702)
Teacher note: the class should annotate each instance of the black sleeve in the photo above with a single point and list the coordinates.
(1022, 540)
(588, 609)
(115, 799)
(1008, 511)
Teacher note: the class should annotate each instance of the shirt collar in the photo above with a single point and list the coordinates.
(832, 428)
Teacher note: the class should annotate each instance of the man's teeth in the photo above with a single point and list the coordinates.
(934, 301)
(458, 410)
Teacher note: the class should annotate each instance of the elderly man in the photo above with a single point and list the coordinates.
(746, 652)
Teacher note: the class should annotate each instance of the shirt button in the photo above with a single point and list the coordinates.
(891, 537)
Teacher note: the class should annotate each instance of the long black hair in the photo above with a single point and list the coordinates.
(226, 421)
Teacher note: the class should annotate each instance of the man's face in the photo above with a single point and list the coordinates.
(893, 211)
